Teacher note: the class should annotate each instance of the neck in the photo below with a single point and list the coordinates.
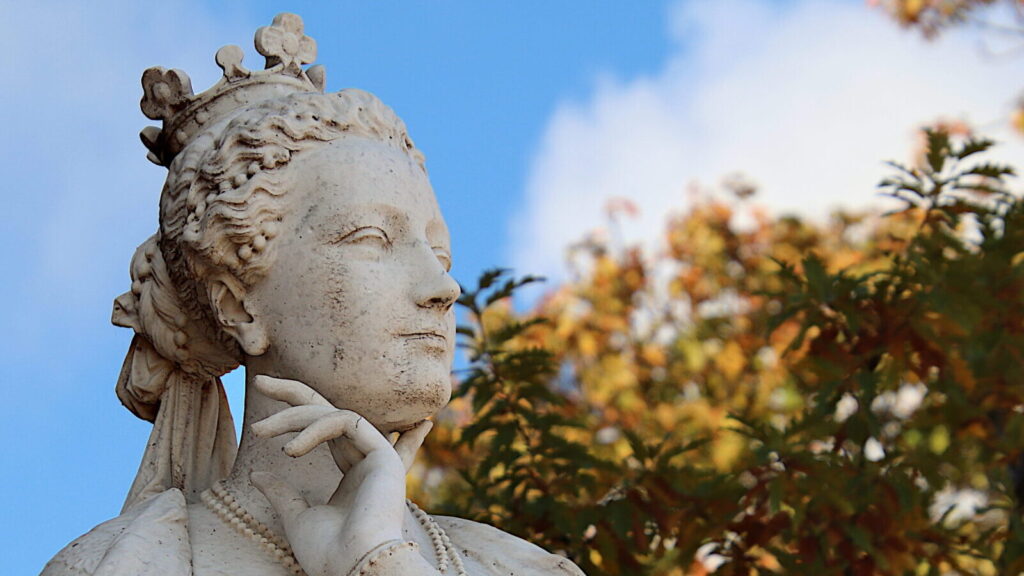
(315, 475)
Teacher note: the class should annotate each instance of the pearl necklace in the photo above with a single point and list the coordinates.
(443, 548)
(224, 505)
(227, 508)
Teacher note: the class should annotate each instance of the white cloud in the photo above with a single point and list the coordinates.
(79, 191)
(807, 100)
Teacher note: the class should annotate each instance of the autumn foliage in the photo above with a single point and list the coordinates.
(1001, 20)
(931, 17)
(781, 397)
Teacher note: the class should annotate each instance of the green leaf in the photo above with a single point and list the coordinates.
(817, 277)
(973, 146)
(989, 170)
(938, 149)
(488, 278)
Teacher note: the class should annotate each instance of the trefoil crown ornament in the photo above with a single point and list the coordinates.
(168, 96)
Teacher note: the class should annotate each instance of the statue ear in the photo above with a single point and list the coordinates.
(228, 299)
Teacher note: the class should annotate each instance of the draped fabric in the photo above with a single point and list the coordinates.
(151, 539)
(192, 444)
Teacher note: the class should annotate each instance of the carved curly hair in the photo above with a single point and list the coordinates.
(226, 194)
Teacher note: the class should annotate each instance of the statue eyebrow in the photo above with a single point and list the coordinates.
(358, 215)
(437, 232)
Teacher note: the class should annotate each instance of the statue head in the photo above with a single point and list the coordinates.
(299, 235)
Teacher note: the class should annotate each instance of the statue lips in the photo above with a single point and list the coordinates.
(433, 340)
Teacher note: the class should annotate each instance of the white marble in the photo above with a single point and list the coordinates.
(300, 237)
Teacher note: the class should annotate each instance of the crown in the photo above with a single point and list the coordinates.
(168, 96)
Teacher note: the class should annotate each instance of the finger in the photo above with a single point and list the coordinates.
(291, 419)
(409, 442)
(357, 429)
(285, 499)
(345, 454)
(341, 461)
(291, 391)
(351, 454)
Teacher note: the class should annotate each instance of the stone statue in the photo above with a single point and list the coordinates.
(300, 237)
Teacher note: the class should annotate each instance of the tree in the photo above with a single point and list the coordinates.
(933, 17)
(779, 398)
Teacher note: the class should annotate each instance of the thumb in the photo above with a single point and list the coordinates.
(409, 442)
(285, 499)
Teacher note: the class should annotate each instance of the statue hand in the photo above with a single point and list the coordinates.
(308, 406)
(367, 508)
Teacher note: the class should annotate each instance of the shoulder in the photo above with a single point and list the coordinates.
(150, 538)
(498, 552)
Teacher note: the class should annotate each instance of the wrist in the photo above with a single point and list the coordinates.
(374, 540)
(393, 558)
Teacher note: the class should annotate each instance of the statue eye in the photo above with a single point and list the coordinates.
(367, 235)
(444, 258)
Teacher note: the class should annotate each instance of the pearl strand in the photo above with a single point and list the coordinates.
(224, 505)
(443, 548)
(227, 508)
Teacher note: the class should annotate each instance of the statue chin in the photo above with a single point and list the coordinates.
(410, 406)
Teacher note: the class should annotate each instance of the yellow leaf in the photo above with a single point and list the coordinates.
(912, 8)
(666, 415)
(654, 355)
(726, 449)
(731, 360)
(693, 354)
(1019, 256)
(587, 345)
(939, 439)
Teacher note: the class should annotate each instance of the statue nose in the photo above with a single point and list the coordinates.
(440, 291)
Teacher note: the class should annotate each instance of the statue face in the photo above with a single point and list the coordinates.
(358, 302)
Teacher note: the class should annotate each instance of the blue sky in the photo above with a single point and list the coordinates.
(532, 114)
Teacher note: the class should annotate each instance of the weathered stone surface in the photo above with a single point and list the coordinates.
(300, 237)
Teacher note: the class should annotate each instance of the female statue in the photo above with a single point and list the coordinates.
(299, 236)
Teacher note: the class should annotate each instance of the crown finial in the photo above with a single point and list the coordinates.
(165, 92)
(284, 44)
(168, 96)
(229, 58)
